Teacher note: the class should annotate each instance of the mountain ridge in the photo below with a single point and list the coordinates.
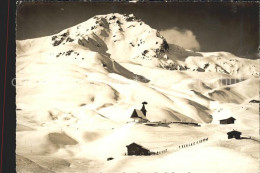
(125, 38)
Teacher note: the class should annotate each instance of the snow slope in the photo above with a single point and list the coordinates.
(77, 89)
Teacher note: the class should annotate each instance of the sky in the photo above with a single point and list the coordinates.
(206, 27)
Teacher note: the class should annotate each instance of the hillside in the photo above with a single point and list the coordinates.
(77, 89)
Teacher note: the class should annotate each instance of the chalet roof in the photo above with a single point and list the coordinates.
(139, 114)
(228, 118)
(234, 132)
(133, 144)
(137, 145)
(254, 101)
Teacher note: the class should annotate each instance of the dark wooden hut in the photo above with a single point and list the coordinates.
(230, 120)
(136, 149)
(234, 134)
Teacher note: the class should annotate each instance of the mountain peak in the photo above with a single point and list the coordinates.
(128, 37)
(124, 38)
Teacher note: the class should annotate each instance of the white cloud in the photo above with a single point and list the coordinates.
(183, 38)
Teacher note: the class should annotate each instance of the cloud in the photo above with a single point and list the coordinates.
(183, 38)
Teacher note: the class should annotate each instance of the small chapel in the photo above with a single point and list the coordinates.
(140, 115)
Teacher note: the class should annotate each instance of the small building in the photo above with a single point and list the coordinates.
(230, 120)
(234, 134)
(140, 115)
(135, 149)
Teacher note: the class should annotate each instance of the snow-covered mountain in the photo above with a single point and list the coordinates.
(125, 38)
(76, 91)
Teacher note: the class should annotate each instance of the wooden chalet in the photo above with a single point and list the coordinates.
(234, 134)
(136, 149)
(229, 120)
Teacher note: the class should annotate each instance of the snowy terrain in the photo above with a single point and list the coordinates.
(77, 89)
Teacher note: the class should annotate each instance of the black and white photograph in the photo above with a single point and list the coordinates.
(137, 87)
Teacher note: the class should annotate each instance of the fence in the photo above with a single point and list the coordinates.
(186, 123)
(193, 143)
(158, 152)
